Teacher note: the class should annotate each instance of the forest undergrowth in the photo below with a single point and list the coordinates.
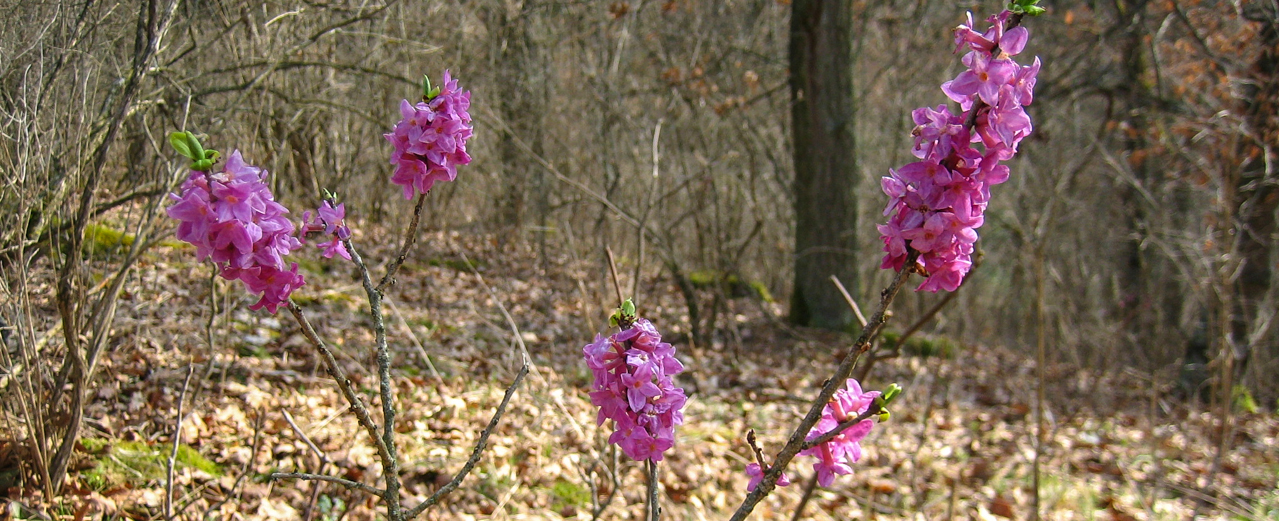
(961, 443)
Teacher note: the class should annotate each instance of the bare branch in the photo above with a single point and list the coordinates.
(857, 310)
(317, 477)
(475, 453)
(177, 442)
(390, 460)
(324, 458)
(244, 471)
(793, 445)
(339, 376)
(654, 506)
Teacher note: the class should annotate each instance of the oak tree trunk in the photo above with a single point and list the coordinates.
(821, 84)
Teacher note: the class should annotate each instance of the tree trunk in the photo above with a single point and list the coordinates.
(519, 73)
(1256, 200)
(1143, 275)
(825, 169)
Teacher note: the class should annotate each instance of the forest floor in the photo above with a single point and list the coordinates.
(960, 442)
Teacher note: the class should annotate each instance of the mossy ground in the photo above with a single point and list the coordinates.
(138, 464)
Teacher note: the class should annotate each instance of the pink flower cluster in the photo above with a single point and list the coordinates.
(430, 142)
(331, 221)
(232, 218)
(936, 204)
(835, 455)
(633, 387)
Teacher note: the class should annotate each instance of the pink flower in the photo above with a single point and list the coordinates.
(947, 277)
(639, 388)
(757, 475)
(931, 235)
(936, 205)
(1014, 41)
(232, 218)
(275, 285)
(330, 216)
(330, 220)
(835, 456)
(633, 387)
(965, 35)
(1024, 83)
(430, 140)
(333, 247)
(984, 76)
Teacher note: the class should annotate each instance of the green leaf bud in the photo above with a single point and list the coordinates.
(890, 393)
(193, 144)
(1026, 7)
(179, 142)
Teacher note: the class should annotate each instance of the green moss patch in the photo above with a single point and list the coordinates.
(138, 463)
(569, 494)
(101, 240)
(925, 346)
(733, 285)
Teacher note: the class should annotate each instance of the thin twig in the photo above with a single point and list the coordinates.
(759, 454)
(510, 320)
(177, 441)
(1040, 342)
(421, 350)
(248, 465)
(324, 461)
(648, 209)
(919, 324)
(612, 492)
(410, 236)
(857, 310)
(475, 453)
(654, 507)
(845, 369)
(803, 500)
(324, 458)
(331, 479)
(208, 335)
(612, 269)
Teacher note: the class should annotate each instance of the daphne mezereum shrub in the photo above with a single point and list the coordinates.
(633, 387)
(935, 206)
(230, 215)
(430, 142)
(845, 422)
(232, 218)
(937, 203)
